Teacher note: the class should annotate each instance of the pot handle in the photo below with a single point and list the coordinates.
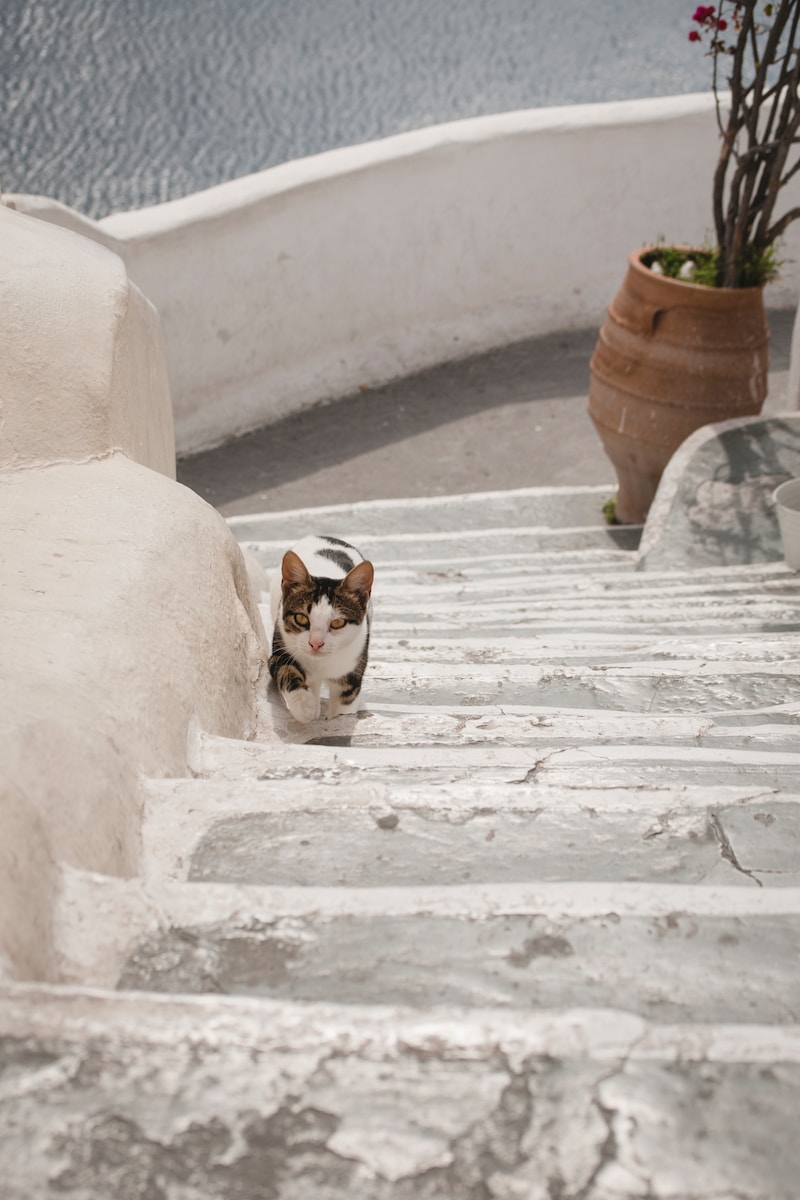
(641, 319)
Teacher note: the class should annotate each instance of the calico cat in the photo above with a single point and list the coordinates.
(321, 608)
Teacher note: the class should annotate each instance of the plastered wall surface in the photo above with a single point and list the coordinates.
(126, 615)
(315, 278)
(82, 369)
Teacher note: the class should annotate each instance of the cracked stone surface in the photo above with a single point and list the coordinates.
(525, 927)
(214, 1113)
(335, 846)
(668, 968)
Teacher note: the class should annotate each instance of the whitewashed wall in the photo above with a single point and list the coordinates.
(309, 280)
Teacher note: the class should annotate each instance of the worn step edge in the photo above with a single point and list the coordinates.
(140, 1088)
(101, 919)
(542, 602)
(457, 508)
(420, 644)
(176, 801)
(181, 816)
(433, 552)
(697, 667)
(210, 755)
(770, 728)
(81, 1015)
(603, 582)
(483, 568)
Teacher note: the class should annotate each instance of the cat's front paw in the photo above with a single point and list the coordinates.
(302, 704)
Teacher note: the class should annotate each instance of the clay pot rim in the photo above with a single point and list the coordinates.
(636, 264)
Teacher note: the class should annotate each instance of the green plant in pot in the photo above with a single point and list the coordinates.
(685, 341)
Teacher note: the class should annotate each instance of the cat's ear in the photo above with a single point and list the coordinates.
(359, 580)
(293, 570)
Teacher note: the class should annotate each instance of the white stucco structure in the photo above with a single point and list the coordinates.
(524, 925)
(125, 610)
(317, 277)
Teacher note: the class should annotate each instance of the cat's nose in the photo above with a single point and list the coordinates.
(315, 641)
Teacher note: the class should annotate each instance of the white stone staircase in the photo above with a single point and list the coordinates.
(527, 927)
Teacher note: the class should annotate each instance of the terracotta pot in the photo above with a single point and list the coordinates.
(671, 356)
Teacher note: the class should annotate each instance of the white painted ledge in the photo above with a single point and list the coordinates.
(309, 280)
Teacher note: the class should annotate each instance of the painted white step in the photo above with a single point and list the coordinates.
(689, 685)
(557, 548)
(645, 948)
(600, 766)
(771, 728)
(629, 643)
(203, 1096)
(314, 835)
(549, 508)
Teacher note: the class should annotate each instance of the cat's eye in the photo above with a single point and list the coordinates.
(338, 623)
(301, 619)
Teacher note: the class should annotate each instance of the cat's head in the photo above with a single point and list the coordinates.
(321, 616)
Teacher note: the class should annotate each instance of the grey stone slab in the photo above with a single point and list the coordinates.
(678, 967)
(440, 846)
(609, 765)
(243, 831)
(435, 548)
(772, 730)
(713, 504)
(153, 1097)
(764, 839)
(542, 507)
(646, 687)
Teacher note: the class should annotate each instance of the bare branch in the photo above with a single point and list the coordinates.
(759, 125)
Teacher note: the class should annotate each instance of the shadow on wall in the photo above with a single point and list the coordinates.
(335, 434)
(514, 417)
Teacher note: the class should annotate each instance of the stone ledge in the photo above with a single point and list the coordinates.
(714, 505)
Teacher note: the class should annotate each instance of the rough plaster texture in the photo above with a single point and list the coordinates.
(127, 613)
(82, 370)
(344, 270)
(127, 616)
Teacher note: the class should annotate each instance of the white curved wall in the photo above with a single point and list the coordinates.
(309, 280)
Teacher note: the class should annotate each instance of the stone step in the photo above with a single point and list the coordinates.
(548, 508)
(482, 579)
(682, 686)
(591, 766)
(526, 925)
(612, 574)
(596, 646)
(261, 833)
(228, 1096)
(769, 730)
(560, 548)
(493, 615)
(646, 948)
(450, 603)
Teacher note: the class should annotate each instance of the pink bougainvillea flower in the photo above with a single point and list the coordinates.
(703, 12)
(694, 36)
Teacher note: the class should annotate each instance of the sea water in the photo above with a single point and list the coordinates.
(114, 104)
